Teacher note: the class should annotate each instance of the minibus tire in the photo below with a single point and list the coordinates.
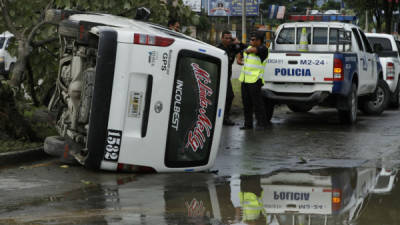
(54, 145)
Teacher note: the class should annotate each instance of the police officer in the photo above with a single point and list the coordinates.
(250, 209)
(232, 47)
(251, 76)
(174, 25)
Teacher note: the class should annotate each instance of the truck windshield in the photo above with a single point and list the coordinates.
(384, 42)
(193, 109)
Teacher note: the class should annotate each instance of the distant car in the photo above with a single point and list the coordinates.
(7, 61)
(387, 47)
(134, 96)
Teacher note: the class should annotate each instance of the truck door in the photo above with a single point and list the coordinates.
(371, 62)
(364, 80)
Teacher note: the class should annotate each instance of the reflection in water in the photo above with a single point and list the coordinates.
(320, 196)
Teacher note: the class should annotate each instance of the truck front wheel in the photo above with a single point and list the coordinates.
(350, 116)
(379, 101)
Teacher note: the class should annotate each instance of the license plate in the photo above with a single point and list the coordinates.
(135, 104)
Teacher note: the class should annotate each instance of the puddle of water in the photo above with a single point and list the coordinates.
(296, 196)
(9, 184)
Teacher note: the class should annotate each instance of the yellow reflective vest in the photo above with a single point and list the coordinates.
(253, 68)
(252, 205)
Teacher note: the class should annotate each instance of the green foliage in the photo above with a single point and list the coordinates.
(381, 9)
(330, 5)
(38, 45)
(204, 22)
(361, 5)
(126, 8)
(183, 14)
(25, 14)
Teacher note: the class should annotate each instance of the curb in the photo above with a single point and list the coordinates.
(23, 156)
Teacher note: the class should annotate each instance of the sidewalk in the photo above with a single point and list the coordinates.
(22, 156)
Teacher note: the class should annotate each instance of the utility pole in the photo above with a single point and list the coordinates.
(366, 20)
(244, 22)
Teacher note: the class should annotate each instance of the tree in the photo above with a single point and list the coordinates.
(37, 38)
(381, 9)
(330, 5)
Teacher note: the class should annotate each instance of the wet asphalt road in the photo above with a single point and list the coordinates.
(316, 138)
(296, 154)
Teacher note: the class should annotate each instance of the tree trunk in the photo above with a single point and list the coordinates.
(378, 21)
(19, 67)
(31, 82)
(388, 8)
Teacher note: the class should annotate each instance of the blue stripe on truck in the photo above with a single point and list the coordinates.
(350, 67)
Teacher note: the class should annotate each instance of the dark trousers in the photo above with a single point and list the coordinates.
(253, 103)
(229, 99)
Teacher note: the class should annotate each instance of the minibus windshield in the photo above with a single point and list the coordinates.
(193, 109)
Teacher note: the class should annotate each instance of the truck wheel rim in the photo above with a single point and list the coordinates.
(380, 96)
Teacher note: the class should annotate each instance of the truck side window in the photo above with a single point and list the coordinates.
(10, 43)
(333, 36)
(358, 39)
(286, 36)
(366, 42)
(398, 45)
(308, 29)
(320, 36)
(11, 46)
(2, 40)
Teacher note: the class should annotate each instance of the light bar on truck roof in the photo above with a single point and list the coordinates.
(323, 18)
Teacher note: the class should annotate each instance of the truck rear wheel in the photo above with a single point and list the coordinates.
(378, 103)
(395, 101)
(350, 116)
(269, 108)
(302, 108)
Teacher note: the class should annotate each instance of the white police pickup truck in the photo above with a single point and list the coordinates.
(7, 60)
(134, 96)
(338, 68)
(318, 196)
(387, 47)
